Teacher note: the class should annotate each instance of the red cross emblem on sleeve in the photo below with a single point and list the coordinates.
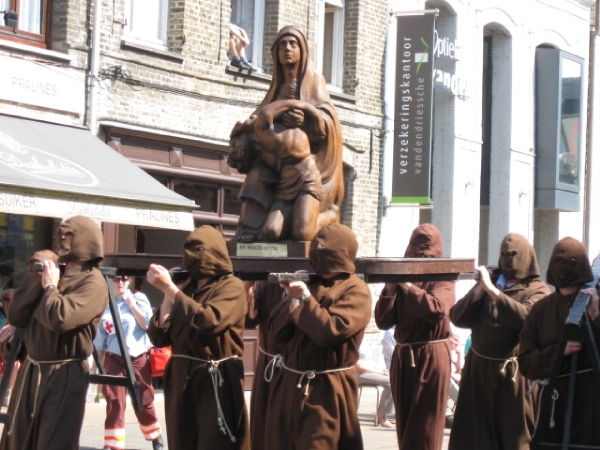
(109, 327)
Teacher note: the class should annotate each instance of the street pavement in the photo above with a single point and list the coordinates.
(92, 433)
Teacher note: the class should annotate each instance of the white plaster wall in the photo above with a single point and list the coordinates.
(522, 26)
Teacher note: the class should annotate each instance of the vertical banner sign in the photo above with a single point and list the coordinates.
(411, 179)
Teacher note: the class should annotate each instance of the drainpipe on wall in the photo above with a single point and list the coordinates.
(587, 202)
(94, 62)
(388, 123)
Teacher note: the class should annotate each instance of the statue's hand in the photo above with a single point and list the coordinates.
(294, 118)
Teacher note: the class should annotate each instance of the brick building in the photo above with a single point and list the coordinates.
(152, 79)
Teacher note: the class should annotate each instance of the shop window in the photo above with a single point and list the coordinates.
(24, 21)
(250, 15)
(146, 21)
(217, 203)
(559, 111)
(20, 237)
(330, 41)
(205, 195)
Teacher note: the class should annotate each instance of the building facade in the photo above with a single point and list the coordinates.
(509, 151)
(153, 80)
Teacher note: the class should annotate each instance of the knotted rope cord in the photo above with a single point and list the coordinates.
(545, 383)
(277, 362)
(217, 381)
(410, 344)
(512, 360)
(36, 365)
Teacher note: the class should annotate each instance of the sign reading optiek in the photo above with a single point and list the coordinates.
(411, 180)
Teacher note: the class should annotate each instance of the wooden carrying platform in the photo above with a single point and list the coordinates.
(375, 270)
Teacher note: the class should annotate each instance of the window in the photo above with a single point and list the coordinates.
(146, 20)
(330, 43)
(250, 15)
(24, 21)
(215, 201)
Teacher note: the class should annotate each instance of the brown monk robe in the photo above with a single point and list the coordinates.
(264, 297)
(494, 410)
(420, 368)
(60, 322)
(313, 400)
(204, 324)
(568, 270)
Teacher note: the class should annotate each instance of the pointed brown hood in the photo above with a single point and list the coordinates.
(517, 259)
(333, 250)
(425, 242)
(82, 238)
(569, 264)
(205, 253)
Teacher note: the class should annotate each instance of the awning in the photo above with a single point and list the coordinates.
(59, 171)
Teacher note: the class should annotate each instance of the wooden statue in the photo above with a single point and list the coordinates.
(291, 150)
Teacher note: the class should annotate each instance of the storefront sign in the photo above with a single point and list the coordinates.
(103, 209)
(44, 85)
(43, 165)
(411, 177)
(447, 52)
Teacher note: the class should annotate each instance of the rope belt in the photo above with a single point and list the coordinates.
(217, 381)
(410, 346)
(38, 366)
(545, 383)
(277, 362)
(512, 361)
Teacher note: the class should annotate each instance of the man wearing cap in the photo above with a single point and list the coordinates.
(60, 315)
(313, 399)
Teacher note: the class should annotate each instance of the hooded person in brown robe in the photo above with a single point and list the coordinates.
(261, 301)
(494, 410)
(203, 322)
(291, 150)
(569, 269)
(60, 318)
(420, 367)
(313, 399)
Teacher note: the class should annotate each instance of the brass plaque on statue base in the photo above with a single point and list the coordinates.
(269, 249)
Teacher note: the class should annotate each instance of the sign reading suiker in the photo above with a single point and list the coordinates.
(411, 179)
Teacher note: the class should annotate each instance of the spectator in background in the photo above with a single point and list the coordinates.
(369, 373)
(135, 312)
(7, 331)
(238, 41)
(5, 300)
(388, 344)
(456, 363)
